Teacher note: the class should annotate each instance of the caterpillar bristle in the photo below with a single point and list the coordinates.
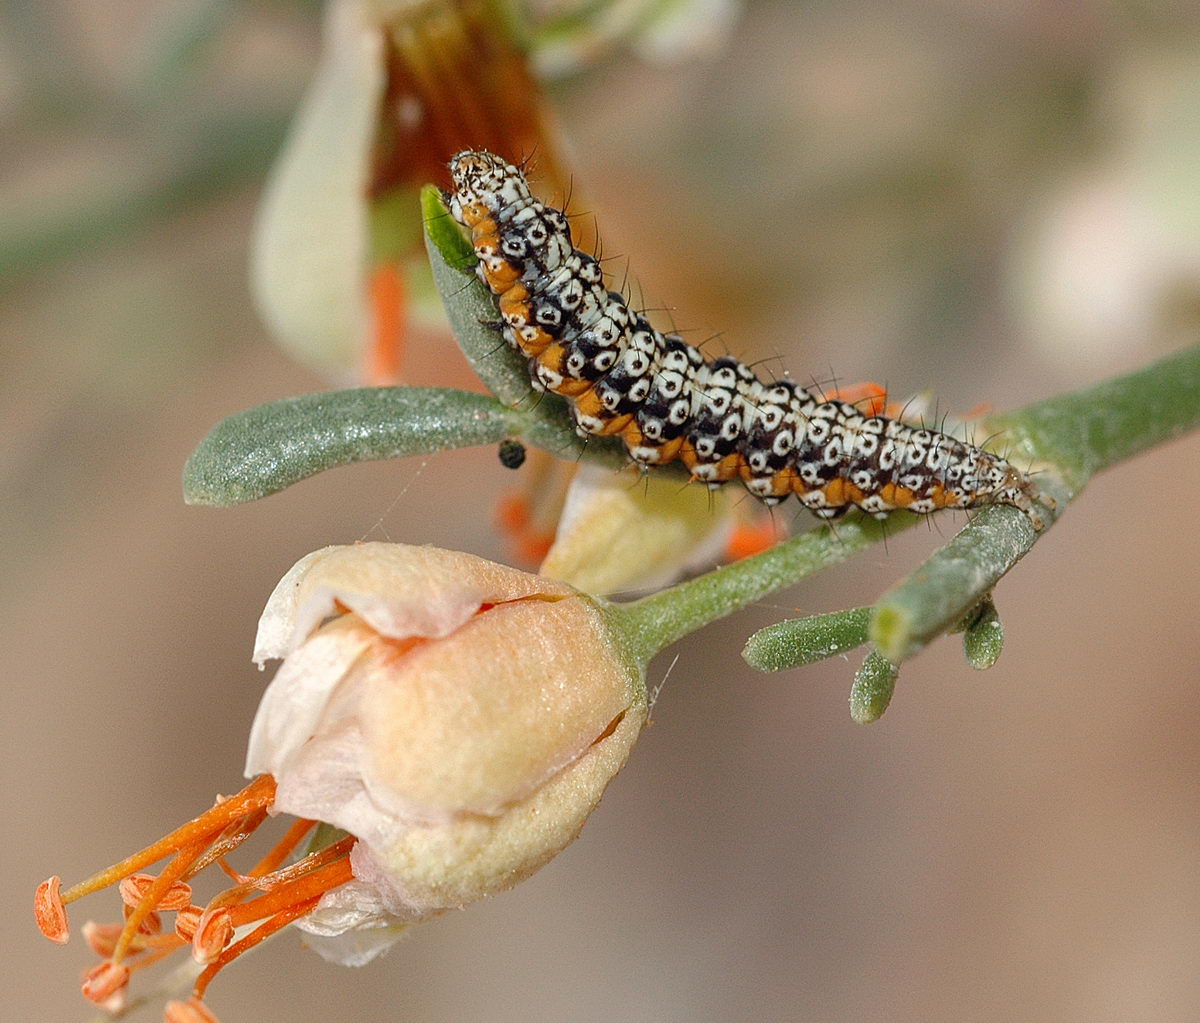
(667, 402)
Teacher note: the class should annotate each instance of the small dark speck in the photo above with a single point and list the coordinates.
(512, 454)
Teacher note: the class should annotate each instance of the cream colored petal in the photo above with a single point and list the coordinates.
(399, 590)
(309, 262)
(618, 533)
(429, 869)
(350, 931)
(478, 720)
(297, 698)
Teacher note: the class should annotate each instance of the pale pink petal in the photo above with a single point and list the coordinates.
(294, 702)
(311, 241)
(400, 590)
(478, 720)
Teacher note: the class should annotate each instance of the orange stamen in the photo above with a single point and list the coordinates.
(213, 932)
(284, 894)
(134, 888)
(748, 540)
(312, 876)
(186, 922)
(258, 794)
(286, 874)
(535, 547)
(101, 938)
(158, 947)
(385, 352)
(156, 890)
(512, 513)
(104, 980)
(230, 839)
(49, 911)
(279, 899)
(277, 922)
(285, 845)
(151, 923)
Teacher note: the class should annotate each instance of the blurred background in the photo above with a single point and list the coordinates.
(995, 201)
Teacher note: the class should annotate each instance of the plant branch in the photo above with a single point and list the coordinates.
(656, 621)
(1072, 436)
(1086, 431)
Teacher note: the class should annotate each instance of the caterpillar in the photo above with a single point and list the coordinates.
(666, 401)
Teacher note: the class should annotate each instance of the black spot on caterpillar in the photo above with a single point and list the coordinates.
(665, 400)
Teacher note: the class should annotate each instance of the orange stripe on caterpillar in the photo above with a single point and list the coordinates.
(666, 401)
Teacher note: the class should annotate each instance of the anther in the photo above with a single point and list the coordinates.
(213, 932)
(49, 911)
(133, 889)
(186, 921)
(104, 980)
(101, 938)
(151, 922)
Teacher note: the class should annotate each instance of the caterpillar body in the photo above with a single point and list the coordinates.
(666, 401)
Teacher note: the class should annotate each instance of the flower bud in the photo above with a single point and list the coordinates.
(460, 718)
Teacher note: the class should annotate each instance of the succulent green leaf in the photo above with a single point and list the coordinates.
(873, 688)
(472, 311)
(262, 450)
(983, 637)
(800, 641)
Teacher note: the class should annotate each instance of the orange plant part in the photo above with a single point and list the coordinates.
(285, 894)
(385, 347)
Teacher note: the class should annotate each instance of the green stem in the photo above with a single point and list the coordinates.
(1093, 429)
(1073, 436)
(655, 622)
(954, 579)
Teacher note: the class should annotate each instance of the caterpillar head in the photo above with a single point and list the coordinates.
(486, 180)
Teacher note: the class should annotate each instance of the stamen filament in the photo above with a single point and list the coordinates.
(289, 873)
(276, 923)
(317, 883)
(283, 847)
(230, 839)
(155, 891)
(309, 878)
(169, 944)
(259, 794)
